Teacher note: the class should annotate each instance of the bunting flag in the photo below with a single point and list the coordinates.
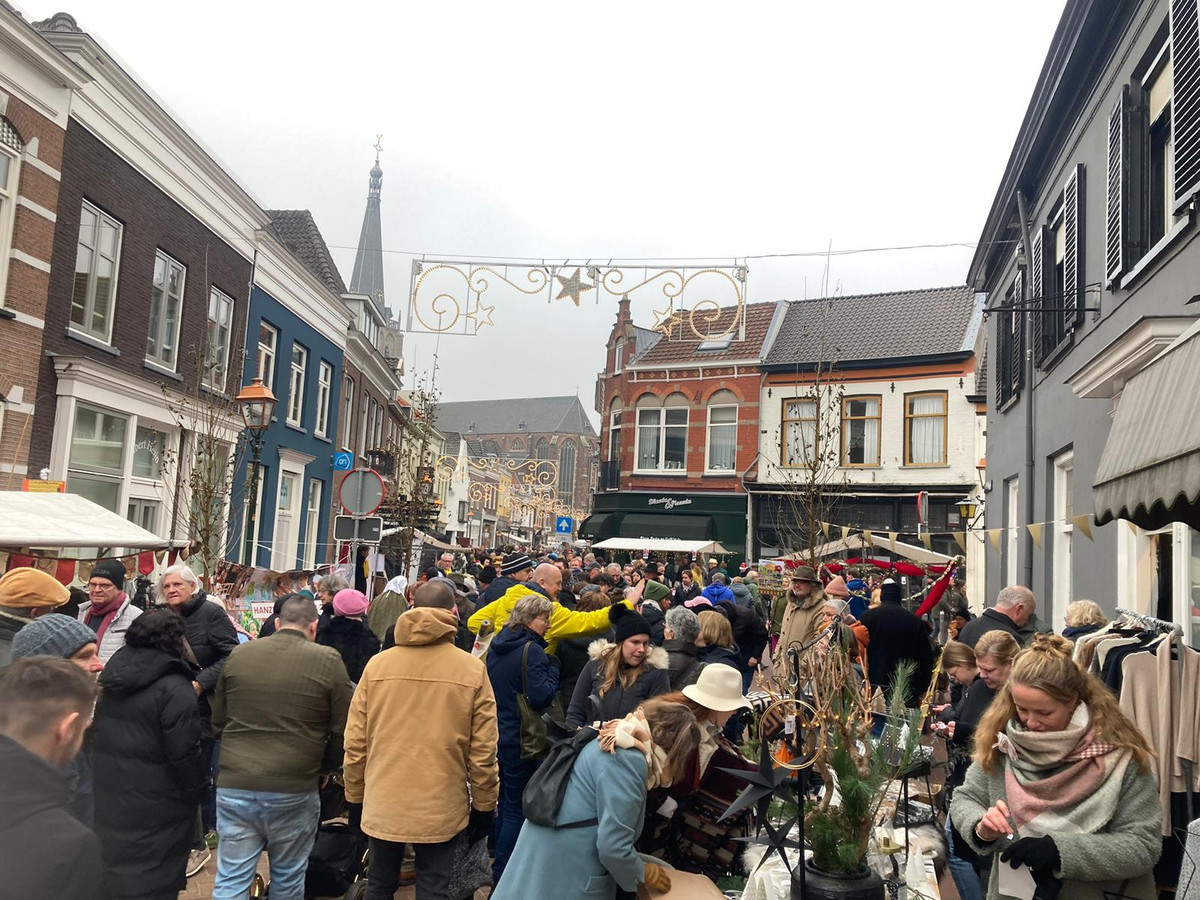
(892, 535)
(994, 538)
(85, 569)
(172, 557)
(1132, 527)
(867, 536)
(145, 562)
(960, 538)
(845, 533)
(1084, 524)
(64, 572)
(160, 556)
(927, 540)
(825, 529)
(1035, 532)
(4, 561)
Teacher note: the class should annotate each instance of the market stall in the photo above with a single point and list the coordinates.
(662, 545)
(51, 521)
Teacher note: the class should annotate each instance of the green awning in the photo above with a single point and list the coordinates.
(598, 526)
(667, 525)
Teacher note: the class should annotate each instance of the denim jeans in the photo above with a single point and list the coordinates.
(510, 812)
(966, 879)
(285, 825)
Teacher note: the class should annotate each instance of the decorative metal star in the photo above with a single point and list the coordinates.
(665, 320)
(481, 315)
(776, 840)
(574, 286)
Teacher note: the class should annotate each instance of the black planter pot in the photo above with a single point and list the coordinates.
(822, 885)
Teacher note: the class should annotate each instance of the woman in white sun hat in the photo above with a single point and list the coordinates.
(713, 699)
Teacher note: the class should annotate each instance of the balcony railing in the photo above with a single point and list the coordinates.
(610, 472)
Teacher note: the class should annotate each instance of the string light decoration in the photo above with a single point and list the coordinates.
(447, 296)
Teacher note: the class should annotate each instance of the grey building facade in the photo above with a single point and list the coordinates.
(1091, 265)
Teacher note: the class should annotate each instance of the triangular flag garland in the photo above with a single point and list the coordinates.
(1084, 524)
(927, 540)
(960, 538)
(892, 541)
(1035, 532)
(867, 536)
(994, 538)
(825, 529)
(845, 533)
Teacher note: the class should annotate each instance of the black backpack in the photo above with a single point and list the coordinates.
(335, 861)
(544, 793)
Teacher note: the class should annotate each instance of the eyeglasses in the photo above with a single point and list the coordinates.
(100, 585)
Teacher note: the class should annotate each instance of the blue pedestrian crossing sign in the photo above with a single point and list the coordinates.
(343, 461)
(563, 525)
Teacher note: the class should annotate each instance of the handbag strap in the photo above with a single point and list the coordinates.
(525, 670)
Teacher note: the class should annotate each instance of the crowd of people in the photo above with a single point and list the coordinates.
(131, 740)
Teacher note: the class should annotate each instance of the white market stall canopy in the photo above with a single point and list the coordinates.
(427, 540)
(663, 545)
(855, 544)
(70, 521)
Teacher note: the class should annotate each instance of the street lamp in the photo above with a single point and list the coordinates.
(256, 403)
(967, 508)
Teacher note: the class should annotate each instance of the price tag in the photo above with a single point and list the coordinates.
(789, 725)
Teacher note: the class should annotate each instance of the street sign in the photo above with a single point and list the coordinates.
(563, 524)
(361, 492)
(367, 530)
(923, 507)
(343, 461)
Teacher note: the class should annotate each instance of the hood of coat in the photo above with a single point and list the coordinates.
(741, 593)
(425, 625)
(28, 784)
(513, 640)
(134, 668)
(657, 658)
(715, 592)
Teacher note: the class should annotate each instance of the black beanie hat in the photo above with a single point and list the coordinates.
(626, 622)
(111, 569)
(889, 591)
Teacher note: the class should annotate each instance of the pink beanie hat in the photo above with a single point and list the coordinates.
(349, 602)
(836, 588)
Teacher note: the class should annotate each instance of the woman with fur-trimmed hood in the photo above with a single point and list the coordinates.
(620, 675)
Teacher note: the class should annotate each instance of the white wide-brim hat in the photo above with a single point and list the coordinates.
(718, 688)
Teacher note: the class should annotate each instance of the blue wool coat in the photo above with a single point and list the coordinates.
(504, 671)
(585, 863)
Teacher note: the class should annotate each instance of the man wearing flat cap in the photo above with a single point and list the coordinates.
(25, 594)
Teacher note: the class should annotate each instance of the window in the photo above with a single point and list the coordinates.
(662, 434)
(216, 345)
(614, 433)
(1064, 510)
(312, 519)
(364, 413)
(166, 304)
(324, 386)
(925, 429)
(722, 432)
(799, 432)
(566, 473)
(1058, 291)
(268, 339)
(296, 385)
(861, 430)
(462, 511)
(541, 449)
(1160, 166)
(93, 294)
(149, 449)
(97, 465)
(347, 413)
(143, 513)
(1010, 337)
(618, 357)
(10, 159)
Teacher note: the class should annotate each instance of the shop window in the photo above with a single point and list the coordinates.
(149, 452)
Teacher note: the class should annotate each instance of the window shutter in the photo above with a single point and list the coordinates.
(1074, 294)
(1016, 359)
(1037, 294)
(1185, 100)
(1004, 349)
(1117, 215)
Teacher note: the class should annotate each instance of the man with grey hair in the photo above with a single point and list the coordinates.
(680, 630)
(1015, 607)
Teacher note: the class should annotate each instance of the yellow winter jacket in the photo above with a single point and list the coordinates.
(564, 623)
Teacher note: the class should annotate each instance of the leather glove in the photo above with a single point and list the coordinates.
(354, 816)
(479, 825)
(1046, 886)
(1040, 854)
(657, 879)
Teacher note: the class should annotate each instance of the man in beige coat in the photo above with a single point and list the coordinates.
(802, 617)
(422, 727)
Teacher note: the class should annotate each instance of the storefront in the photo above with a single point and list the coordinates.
(698, 517)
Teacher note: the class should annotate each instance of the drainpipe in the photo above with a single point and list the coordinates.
(1027, 329)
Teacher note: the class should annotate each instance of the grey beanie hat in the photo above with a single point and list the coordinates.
(52, 635)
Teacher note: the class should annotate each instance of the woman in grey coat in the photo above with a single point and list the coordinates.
(621, 675)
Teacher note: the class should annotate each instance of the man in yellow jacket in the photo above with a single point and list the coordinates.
(422, 727)
(564, 623)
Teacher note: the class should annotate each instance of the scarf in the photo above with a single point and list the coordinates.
(633, 733)
(106, 612)
(1058, 781)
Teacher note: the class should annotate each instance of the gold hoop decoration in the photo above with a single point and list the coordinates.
(807, 719)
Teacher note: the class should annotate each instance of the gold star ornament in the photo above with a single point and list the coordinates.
(481, 315)
(574, 286)
(665, 320)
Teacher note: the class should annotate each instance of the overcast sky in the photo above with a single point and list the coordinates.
(650, 129)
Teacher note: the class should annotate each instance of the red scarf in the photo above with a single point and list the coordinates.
(108, 611)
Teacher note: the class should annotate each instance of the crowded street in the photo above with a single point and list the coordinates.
(395, 503)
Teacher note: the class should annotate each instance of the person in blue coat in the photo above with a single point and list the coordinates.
(605, 805)
(717, 590)
(517, 663)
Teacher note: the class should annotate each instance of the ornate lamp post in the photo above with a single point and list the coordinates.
(256, 403)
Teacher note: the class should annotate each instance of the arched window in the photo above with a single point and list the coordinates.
(518, 444)
(721, 443)
(10, 158)
(566, 473)
(662, 434)
(541, 450)
(614, 432)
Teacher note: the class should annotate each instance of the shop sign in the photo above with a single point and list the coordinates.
(262, 611)
(668, 503)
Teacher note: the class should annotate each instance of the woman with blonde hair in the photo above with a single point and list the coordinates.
(620, 675)
(1062, 785)
(1083, 617)
(715, 643)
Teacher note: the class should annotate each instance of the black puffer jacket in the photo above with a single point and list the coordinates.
(749, 632)
(586, 703)
(148, 771)
(354, 640)
(44, 850)
(212, 637)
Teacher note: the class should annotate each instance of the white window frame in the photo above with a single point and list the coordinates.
(266, 353)
(618, 357)
(364, 430)
(1064, 529)
(324, 390)
(299, 371)
(312, 520)
(218, 302)
(708, 431)
(662, 427)
(348, 389)
(167, 337)
(1012, 521)
(8, 210)
(89, 309)
(135, 510)
(614, 434)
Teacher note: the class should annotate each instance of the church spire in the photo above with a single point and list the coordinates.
(368, 262)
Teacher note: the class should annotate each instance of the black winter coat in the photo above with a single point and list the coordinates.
(148, 770)
(896, 635)
(749, 632)
(573, 654)
(353, 640)
(726, 656)
(586, 703)
(682, 594)
(656, 619)
(504, 667)
(991, 620)
(212, 637)
(44, 850)
(683, 667)
(496, 590)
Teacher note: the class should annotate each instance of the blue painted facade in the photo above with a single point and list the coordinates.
(284, 441)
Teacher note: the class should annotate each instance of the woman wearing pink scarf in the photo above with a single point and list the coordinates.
(1063, 789)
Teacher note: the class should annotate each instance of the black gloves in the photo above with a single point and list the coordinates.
(479, 825)
(354, 816)
(1040, 854)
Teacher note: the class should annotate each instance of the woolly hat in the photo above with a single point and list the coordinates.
(112, 570)
(837, 588)
(52, 635)
(655, 590)
(626, 622)
(516, 562)
(23, 587)
(889, 591)
(349, 602)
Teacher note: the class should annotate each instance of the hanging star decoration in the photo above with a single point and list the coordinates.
(481, 315)
(574, 286)
(665, 320)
